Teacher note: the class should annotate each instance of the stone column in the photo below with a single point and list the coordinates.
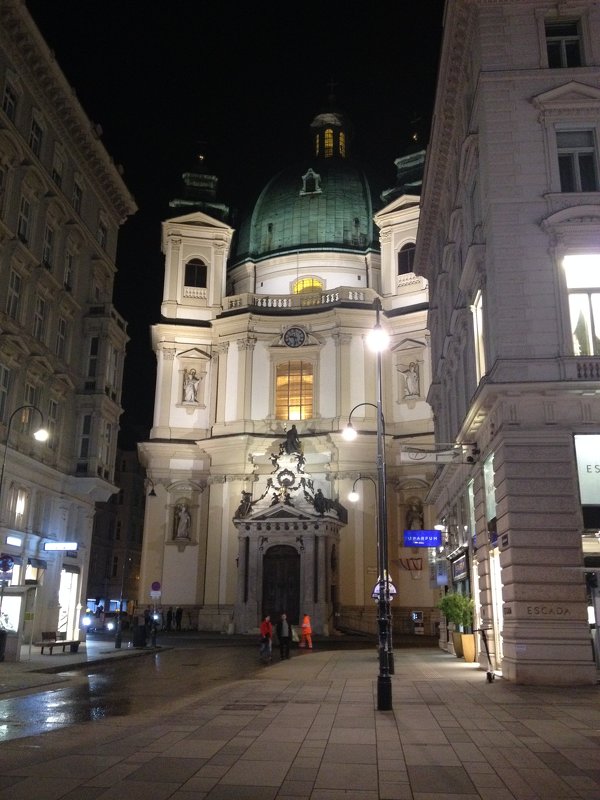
(546, 634)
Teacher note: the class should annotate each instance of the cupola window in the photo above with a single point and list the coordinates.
(195, 273)
(342, 144)
(328, 143)
(306, 285)
(317, 143)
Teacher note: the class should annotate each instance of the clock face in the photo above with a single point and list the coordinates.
(294, 337)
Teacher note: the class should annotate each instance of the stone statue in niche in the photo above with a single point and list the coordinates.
(183, 521)
(245, 507)
(411, 377)
(190, 386)
(414, 515)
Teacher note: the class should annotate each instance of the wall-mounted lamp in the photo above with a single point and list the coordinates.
(300, 541)
(151, 493)
(261, 542)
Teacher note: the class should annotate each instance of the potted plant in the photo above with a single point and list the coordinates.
(458, 609)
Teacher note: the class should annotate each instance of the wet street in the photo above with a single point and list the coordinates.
(127, 686)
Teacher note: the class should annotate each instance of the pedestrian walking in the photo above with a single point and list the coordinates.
(284, 633)
(169, 618)
(266, 639)
(178, 616)
(306, 635)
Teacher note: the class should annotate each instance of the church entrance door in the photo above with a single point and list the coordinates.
(281, 583)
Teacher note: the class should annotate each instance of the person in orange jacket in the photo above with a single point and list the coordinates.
(306, 637)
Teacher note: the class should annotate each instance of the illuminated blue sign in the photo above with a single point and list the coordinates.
(422, 538)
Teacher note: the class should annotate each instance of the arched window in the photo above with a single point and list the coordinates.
(195, 273)
(294, 390)
(406, 258)
(317, 145)
(307, 285)
(328, 143)
(342, 144)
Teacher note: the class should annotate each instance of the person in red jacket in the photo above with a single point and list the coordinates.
(266, 639)
(306, 637)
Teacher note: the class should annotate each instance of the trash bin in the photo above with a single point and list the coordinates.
(138, 636)
(3, 637)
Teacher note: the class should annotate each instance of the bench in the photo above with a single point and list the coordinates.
(50, 640)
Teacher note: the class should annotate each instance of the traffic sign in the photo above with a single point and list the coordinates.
(155, 586)
(391, 589)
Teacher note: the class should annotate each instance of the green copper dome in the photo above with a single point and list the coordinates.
(322, 203)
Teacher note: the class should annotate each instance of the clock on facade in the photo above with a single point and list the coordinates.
(294, 337)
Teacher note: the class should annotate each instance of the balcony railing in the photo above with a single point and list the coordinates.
(341, 294)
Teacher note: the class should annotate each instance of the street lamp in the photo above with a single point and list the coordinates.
(41, 435)
(378, 340)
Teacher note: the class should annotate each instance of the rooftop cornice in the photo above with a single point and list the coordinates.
(41, 73)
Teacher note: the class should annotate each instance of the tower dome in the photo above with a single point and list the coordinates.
(322, 203)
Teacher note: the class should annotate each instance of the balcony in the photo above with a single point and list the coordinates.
(341, 295)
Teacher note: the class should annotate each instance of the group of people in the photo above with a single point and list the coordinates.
(169, 621)
(284, 632)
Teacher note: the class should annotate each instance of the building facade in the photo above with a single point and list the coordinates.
(114, 572)
(509, 240)
(261, 362)
(62, 343)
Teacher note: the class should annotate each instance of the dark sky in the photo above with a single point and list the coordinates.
(240, 82)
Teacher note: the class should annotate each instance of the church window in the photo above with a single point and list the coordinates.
(406, 258)
(294, 390)
(311, 183)
(583, 286)
(563, 44)
(328, 143)
(317, 143)
(577, 161)
(342, 144)
(307, 285)
(195, 273)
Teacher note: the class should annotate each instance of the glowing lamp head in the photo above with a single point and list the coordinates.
(349, 433)
(41, 435)
(353, 497)
(378, 339)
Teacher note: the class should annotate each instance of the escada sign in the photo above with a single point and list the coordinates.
(548, 611)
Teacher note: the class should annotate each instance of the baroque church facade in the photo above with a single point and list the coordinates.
(261, 362)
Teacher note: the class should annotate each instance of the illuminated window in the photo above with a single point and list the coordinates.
(317, 145)
(342, 144)
(328, 143)
(583, 285)
(477, 311)
(307, 285)
(294, 390)
(195, 273)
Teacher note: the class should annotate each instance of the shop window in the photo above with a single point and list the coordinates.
(294, 390)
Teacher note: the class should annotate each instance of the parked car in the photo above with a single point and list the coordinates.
(106, 622)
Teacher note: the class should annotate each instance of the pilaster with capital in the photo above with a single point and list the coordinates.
(244, 379)
(221, 350)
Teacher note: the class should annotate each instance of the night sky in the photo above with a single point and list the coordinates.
(239, 82)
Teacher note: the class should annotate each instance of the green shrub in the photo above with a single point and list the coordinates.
(457, 608)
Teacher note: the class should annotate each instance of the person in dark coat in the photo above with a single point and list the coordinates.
(178, 617)
(284, 634)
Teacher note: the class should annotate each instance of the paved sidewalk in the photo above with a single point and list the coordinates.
(307, 729)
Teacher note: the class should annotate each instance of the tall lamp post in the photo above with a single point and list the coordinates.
(41, 435)
(378, 341)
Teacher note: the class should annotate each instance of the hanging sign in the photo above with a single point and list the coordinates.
(423, 538)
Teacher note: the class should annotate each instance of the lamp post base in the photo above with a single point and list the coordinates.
(384, 693)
